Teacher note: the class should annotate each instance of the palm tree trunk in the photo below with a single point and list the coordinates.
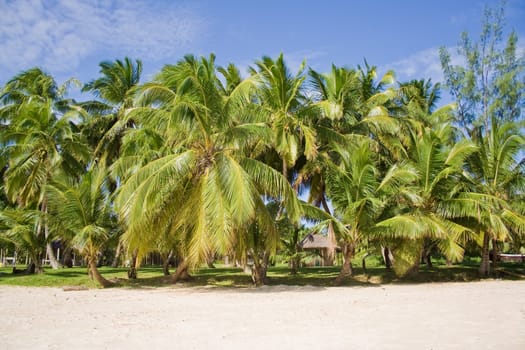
(95, 274)
(116, 259)
(49, 249)
(68, 258)
(181, 274)
(281, 204)
(132, 272)
(51, 255)
(294, 265)
(495, 253)
(427, 253)
(38, 263)
(346, 270)
(484, 268)
(260, 269)
(363, 262)
(166, 262)
(285, 169)
(385, 251)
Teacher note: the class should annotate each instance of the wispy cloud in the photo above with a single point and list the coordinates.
(422, 64)
(59, 34)
(426, 63)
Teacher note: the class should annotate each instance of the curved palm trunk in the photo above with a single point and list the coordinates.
(95, 274)
(166, 262)
(116, 259)
(329, 253)
(182, 272)
(51, 255)
(346, 270)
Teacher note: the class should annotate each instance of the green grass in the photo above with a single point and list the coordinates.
(229, 277)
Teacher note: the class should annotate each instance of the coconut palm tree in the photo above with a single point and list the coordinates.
(350, 108)
(19, 227)
(422, 93)
(40, 140)
(497, 173)
(359, 196)
(107, 121)
(204, 187)
(282, 101)
(431, 203)
(84, 211)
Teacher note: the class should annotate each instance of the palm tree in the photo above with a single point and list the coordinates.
(19, 227)
(433, 201)
(84, 211)
(108, 120)
(34, 84)
(422, 93)
(496, 173)
(40, 140)
(291, 237)
(350, 108)
(282, 101)
(203, 187)
(359, 196)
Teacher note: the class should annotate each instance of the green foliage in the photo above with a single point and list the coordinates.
(203, 162)
(489, 89)
(490, 84)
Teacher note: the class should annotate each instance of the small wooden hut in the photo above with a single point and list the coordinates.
(323, 243)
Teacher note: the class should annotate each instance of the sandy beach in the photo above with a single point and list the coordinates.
(479, 315)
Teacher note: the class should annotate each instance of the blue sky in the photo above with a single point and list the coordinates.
(68, 38)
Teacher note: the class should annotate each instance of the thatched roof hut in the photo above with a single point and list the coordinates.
(316, 241)
(323, 243)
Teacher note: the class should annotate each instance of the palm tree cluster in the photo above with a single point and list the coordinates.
(202, 162)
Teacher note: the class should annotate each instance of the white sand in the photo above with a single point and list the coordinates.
(481, 315)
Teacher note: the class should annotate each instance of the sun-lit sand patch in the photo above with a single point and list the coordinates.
(476, 315)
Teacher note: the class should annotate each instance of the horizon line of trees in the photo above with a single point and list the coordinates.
(200, 161)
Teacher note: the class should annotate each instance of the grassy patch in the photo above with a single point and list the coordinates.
(229, 277)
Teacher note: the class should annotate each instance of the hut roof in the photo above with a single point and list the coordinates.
(316, 241)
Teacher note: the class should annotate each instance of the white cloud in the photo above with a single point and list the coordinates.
(423, 64)
(59, 34)
(426, 63)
